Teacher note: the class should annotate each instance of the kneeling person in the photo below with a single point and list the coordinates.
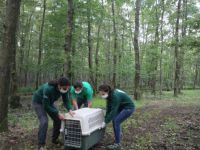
(82, 94)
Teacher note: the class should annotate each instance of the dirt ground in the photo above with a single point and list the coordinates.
(159, 125)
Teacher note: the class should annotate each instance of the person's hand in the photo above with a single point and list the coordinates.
(103, 125)
(61, 116)
(72, 113)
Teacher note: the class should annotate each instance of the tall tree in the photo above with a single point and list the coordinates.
(137, 52)
(115, 45)
(8, 49)
(177, 53)
(89, 40)
(182, 50)
(162, 44)
(68, 40)
(40, 45)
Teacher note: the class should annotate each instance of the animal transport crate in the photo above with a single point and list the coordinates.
(85, 129)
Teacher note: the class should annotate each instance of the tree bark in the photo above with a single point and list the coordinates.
(155, 57)
(8, 49)
(162, 46)
(38, 78)
(177, 53)
(115, 46)
(68, 40)
(182, 50)
(137, 92)
(89, 39)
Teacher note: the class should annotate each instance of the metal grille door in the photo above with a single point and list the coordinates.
(72, 137)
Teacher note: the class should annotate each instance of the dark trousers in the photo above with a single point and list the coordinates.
(43, 119)
(82, 101)
(117, 120)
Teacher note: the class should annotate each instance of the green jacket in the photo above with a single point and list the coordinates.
(86, 93)
(117, 101)
(47, 95)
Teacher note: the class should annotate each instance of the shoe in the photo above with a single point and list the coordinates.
(57, 143)
(42, 148)
(114, 146)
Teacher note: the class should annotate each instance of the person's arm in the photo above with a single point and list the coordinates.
(114, 109)
(73, 97)
(66, 101)
(89, 98)
(74, 102)
(46, 102)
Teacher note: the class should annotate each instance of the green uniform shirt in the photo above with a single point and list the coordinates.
(118, 101)
(47, 95)
(86, 93)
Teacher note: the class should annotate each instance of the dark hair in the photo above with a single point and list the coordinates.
(63, 81)
(105, 88)
(78, 84)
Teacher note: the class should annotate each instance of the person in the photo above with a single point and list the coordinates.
(82, 94)
(43, 104)
(119, 106)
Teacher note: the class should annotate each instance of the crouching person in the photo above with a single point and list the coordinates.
(43, 104)
(119, 106)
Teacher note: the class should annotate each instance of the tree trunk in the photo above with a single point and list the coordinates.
(182, 50)
(136, 48)
(115, 46)
(68, 40)
(177, 57)
(155, 57)
(196, 75)
(38, 78)
(89, 39)
(8, 49)
(162, 42)
(97, 51)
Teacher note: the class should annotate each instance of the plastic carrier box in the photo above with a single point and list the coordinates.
(85, 129)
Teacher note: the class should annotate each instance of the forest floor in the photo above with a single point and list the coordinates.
(165, 123)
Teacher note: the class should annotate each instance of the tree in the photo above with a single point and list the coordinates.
(136, 48)
(115, 45)
(68, 40)
(177, 53)
(40, 45)
(89, 40)
(8, 49)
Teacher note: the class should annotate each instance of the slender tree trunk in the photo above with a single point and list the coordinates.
(115, 46)
(6, 62)
(28, 51)
(177, 57)
(38, 78)
(162, 46)
(68, 40)
(196, 75)
(155, 57)
(97, 56)
(89, 39)
(182, 50)
(97, 50)
(137, 92)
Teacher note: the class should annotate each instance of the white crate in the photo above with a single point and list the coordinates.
(90, 119)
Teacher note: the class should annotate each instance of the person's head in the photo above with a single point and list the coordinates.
(63, 84)
(78, 86)
(104, 90)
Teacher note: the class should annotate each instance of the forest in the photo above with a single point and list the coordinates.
(148, 48)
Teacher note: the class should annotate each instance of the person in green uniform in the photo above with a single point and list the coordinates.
(82, 94)
(43, 104)
(119, 106)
